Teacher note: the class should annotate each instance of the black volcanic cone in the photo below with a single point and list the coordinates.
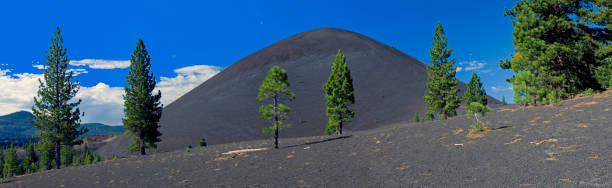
(389, 88)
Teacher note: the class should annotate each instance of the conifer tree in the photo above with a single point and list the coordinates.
(68, 155)
(475, 92)
(57, 115)
(47, 154)
(11, 163)
(441, 96)
(504, 101)
(560, 46)
(86, 155)
(30, 160)
(1, 162)
(339, 95)
(142, 108)
(276, 87)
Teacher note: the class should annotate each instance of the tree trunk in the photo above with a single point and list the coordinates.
(57, 154)
(141, 145)
(445, 115)
(340, 128)
(275, 124)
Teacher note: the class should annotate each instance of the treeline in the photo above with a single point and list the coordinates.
(32, 162)
(562, 48)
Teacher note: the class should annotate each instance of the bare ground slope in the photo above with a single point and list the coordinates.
(549, 146)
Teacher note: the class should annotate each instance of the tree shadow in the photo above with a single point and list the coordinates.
(502, 127)
(320, 141)
(4, 181)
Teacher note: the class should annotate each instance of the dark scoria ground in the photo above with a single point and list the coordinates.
(549, 146)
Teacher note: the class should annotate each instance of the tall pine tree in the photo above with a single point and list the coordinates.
(57, 115)
(11, 163)
(276, 87)
(475, 92)
(560, 45)
(339, 95)
(142, 108)
(441, 96)
(30, 160)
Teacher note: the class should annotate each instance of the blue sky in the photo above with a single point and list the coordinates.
(190, 41)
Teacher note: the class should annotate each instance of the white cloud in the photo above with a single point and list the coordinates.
(18, 91)
(471, 65)
(187, 78)
(501, 88)
(101, 103)
(102, 64)
(76, 72)
(40, 67)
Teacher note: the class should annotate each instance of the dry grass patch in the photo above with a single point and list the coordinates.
(526, 185)
(552, 156)
(546, 122)
(584, 104)
(458, 131)
(572, 147)
(583, 125)
(566, 180)
(478, 133)
(594, 157)
(513, 141)
(508, 110)
(551, 140)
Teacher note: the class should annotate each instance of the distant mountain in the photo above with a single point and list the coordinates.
(19, 125)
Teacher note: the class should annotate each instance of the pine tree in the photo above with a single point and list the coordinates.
(86, 155)
(142, 109)
(1, 162)
(46, 149)
(57, 115)
(11, 163)
(560, 47)
(475, 92)
(275, 86)
(30, 160)
(504, 101)
(441, 96)
(339, 95)
(68, 155)
(416, 117)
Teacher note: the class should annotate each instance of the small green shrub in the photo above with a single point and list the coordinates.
(187, 148)
(589, 91)
(202, 142)
(477, 110)
(479, 126)
(553, 97)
